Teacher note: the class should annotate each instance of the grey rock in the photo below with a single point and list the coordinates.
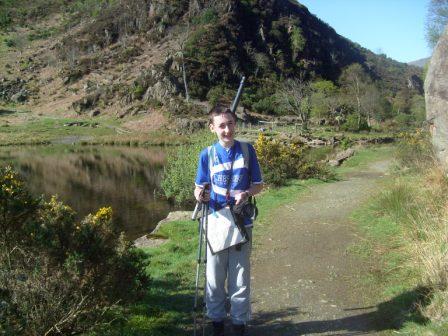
(341, 157)
(13, 90)
(415, 83)
(316, 143)
(185, 125)
(148, 241)
(152, 240)
(95, 113)
(20, 97)
(86, 103)
(436, 96)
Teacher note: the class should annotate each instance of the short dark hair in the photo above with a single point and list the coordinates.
(219, 109)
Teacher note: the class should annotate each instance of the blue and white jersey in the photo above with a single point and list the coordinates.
(218, 173)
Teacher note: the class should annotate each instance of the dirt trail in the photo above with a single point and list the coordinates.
(305, 282)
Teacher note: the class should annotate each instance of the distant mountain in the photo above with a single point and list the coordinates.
(420, 63)
(126, 58)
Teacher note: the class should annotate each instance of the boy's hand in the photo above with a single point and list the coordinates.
(241, 197)
(202, 195)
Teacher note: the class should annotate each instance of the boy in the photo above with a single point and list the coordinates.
(245, 181)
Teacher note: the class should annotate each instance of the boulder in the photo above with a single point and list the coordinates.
(20, 97)
(86, 103)
(341, 157)
(94, 113)
(152, 239)
(436, 96)
(13, 90)
(158, 83)
(148, 241)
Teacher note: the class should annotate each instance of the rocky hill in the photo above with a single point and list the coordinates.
(130, 57)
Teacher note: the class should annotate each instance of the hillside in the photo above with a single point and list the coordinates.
(421, 62)
(123, 58)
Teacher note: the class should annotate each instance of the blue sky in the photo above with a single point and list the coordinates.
(392, 27)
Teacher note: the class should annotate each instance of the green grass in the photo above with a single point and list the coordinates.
(386, 223)
(19, 127)
(322, 132)
(365, 156)
(46, 129)
(392, 277)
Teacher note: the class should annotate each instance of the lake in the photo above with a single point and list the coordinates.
(89, 177)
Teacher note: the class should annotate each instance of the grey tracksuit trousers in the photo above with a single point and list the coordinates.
(234, 266)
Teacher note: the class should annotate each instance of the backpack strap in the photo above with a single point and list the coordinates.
(245, 150)
(211, 154)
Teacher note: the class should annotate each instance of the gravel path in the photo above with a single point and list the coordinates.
(305, 282)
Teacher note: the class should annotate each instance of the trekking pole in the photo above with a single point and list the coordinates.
(201, 242)
(205, 223)
(238, 95)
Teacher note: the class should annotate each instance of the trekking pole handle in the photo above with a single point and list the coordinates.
(238, 96)
(196, 210)
(198, 207)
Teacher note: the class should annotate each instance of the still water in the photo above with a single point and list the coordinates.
(87, 178)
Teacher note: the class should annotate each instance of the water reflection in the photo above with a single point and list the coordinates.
(87, 178)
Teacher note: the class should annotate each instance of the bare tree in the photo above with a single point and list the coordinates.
(294, 98)
(371, 102)
(180, 55)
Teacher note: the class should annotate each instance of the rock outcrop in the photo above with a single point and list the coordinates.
(436, 96)
(13, 90)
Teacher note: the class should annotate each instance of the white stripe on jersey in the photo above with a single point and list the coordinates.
(223, 191)
(239, 163)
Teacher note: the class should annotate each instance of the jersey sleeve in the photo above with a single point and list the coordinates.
(254, 166)
(203, 172)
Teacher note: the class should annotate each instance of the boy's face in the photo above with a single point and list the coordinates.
(224, 127)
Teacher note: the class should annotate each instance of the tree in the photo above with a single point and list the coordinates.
(324, 99)
(371, 102)
(418, 109)
(180, 54)
(402, 101)
(294, 97)
(354, 80)
(436, 20)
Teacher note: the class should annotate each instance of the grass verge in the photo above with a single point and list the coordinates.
(405, 246)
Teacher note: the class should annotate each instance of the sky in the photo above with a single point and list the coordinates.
(391, 27)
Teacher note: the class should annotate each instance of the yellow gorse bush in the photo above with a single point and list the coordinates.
(272, 151)
(10, 183)
(417, 137)
(277, 160)
(104, 214)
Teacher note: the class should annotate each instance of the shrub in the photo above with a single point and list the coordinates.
(415, 150)
(280, 162)
(402, 120)
(180, 170)
(267, 105)
(208, 16)
(219, 93)
(58, 275)
(353, 124)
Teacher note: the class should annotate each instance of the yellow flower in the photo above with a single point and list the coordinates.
(103, 214)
